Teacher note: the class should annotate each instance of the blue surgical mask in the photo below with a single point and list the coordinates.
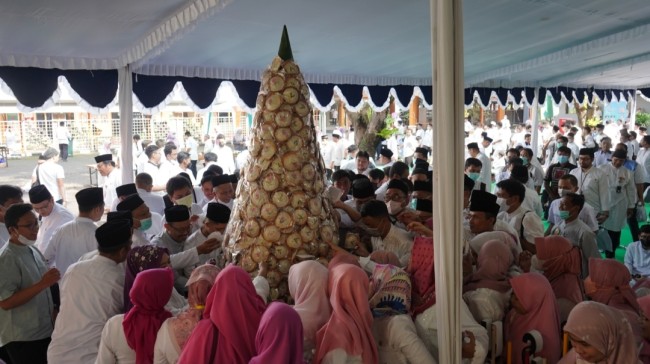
(474, 176)
(559, 145)
(562, 159)
(414, 203)
(524, 160)
(564, 214)
(145, 224)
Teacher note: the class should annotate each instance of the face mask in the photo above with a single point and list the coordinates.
(645, 243)
(502, 202)
(559, 145)
(524, 160)
(564, 214)
(474, 176)
(23, 240)
(185, 201)
(394, 207)
(414, 203)
(145, 224)
(562, 192)
(562, 159)
(369, 230)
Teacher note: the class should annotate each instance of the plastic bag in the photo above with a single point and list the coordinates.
(641, 214)
(603, 240)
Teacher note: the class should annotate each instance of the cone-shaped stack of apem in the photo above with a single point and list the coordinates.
(282, 215)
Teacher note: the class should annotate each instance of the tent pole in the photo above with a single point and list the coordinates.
(535, 136)
(125, 100)
(632, 99)
(448, 153)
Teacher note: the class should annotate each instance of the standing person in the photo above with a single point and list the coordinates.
(184, 165)
(225, 157)
(63, 137)
(486, 165)
(192, 147)
(113, 178)
(553, 174)
(74, 239)
(643, 158)
(208, 144)
(592, 184)
(622, 195)
(26, 305)
(279, 337)
(169, 164)
(604, 155)
(326, 152)
(91, 293)
(410, 143)
(52, 215)
(238, 140)
(227, 332)
(338, 150)
(51, 174)
(9, 195)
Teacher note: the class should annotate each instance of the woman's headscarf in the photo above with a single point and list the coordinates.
(494, 261)
(538, 300)
(604, 328)
(644, 304)
(342, 257)
(139, 259)
(186, 321)
(279, 338)
(150, 292)
(350, 325)
(562, 266)
(232, 315)
(609, 283)
(390, 291)
(308, 287)
(423, 281)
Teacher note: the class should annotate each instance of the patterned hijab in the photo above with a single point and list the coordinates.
(137, 260)
(423, 288)
(390, 291)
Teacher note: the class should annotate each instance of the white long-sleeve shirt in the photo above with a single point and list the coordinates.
(49, 224)
(594, 186)
(113, 348)
(398, 341)
(70, 242)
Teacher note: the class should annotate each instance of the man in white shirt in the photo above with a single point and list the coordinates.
(74, 239)
(525, 222)
(224, 154)
(337, 151)
(427, 138)
(214, 226)
(52, 214)
(569, 184)
(643, 159)
(534, 168)
(113, 178)
(144, 184)
(637, 256)
(63, 137)
(223, 191)
(146, 224)
(9, 195)
(604, 155)
(410, 143)
(592, 184)
(192, 147)
(384, 235)
(486, 164)
(152, 168)
(208, 143)
(168, 165)
(385, 157)
(209, 159)
(363, 163)
(51, 174)
(92, 291)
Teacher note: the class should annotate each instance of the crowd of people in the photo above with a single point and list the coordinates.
(155, 283)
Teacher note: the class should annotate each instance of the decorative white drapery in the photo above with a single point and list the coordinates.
(125, 92)
(448, 96)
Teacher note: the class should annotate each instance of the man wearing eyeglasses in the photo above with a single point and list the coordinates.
(52, 214)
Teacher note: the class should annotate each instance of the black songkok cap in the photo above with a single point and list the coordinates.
(400, 185)
(125, 190)
(120, 215)
(424, 151)
(177, 213)
(619, 153)
(425, 186)
(220, 180)
(104, 158)
(472, 146)
(218, 213)
(424, 205)
(482, 201)
(130, 203)
(90, 196)
(38, 194)
(113, 234)
(362, 188)
(386, 152)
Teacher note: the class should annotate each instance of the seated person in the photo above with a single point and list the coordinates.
(637, 258)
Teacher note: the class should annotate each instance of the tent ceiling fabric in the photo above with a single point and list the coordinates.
(341, 46)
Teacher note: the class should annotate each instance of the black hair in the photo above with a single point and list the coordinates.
(576, 199)
(469, 162)
(645, 229)
(150, 150)
(10, 192)
(377, 174)
(374, 208)
(363, 154)
(513, 188)
(564, 149)
(176, 183)
(341, 173)
(15, 212)
(182, 156)
(143, 179)
(210, 157)
(571, 178)
(519, 173)
(216, 169)
(169, 148)
(398, 168)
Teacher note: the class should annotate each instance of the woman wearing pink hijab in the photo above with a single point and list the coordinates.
(130, 338)
(279, 338)
(561, 262)
(308, 287)
(487, 291)
(175, 331)
(644, 323)
(231, 318)
(599, 334)
(347, 335)
(533, 308)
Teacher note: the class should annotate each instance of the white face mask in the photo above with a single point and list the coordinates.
(502, 202)
(563, 192)
(23, 240)
(394, 207)
(185, 201)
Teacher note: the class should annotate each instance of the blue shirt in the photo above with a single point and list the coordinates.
(637, 259)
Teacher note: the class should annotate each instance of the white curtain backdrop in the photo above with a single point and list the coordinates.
(125, 99)
(448, 105)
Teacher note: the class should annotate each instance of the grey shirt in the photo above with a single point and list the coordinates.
(21, 267)
(580, 235)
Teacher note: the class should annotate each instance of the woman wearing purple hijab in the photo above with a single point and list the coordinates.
(139, 259)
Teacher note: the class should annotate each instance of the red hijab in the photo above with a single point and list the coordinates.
(279, 338)
(423, 281)
(494, 261)
(535, 294)
(562, 266)
(150, 292)
(350, 325)
(609, 283)
(232, 315)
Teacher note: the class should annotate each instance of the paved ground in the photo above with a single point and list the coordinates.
(19, 173)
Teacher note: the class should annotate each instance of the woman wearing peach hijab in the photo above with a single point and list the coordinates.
(347, 335)
(644, 323)
(175, 331)
(308, 287)
(561, 262)
(608, 283)
(599, 334)
(487, 291)
(533, 308)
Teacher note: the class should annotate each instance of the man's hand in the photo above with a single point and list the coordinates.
(630, 212)
(208, 246)
(420, 229)
(50, 277)
(602, 216)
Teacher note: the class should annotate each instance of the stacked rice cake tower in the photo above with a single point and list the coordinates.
(282, 214)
